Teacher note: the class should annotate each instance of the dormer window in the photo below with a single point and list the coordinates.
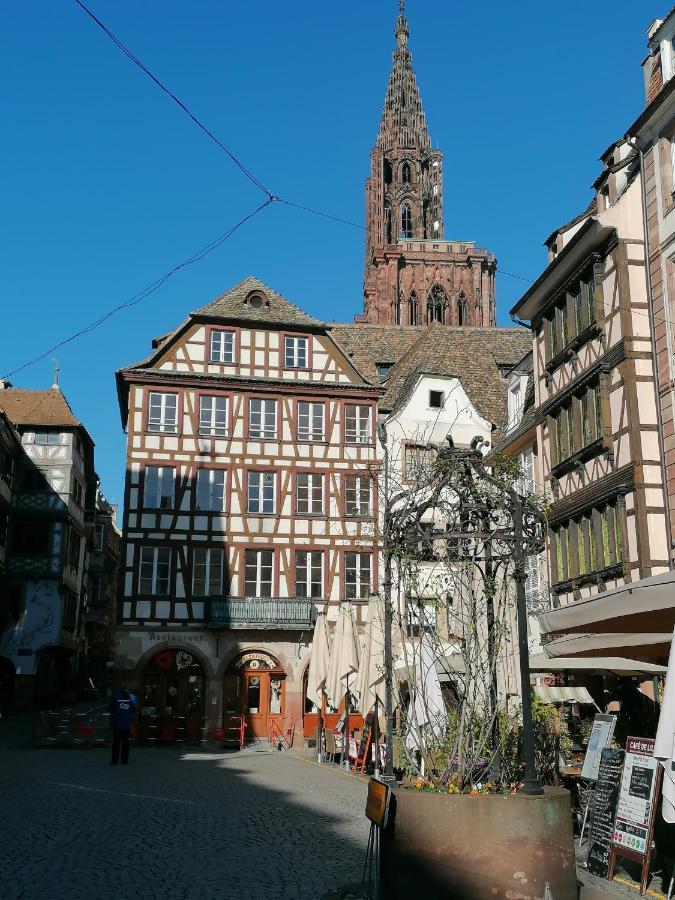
(296, 353)
(605, 197)
(515, 403)
(222, 346)
(383, 370)
(256, 300)
(436, 399)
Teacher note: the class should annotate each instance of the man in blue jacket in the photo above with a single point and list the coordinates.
(122, 710)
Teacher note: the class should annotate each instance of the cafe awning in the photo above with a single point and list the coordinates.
(564, 695)
(595, 665)
(645, 646)
(645, 606)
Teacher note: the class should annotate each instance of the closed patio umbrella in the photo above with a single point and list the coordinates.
(343, 665)
(664, 748)
(370, 677)
(427, 715)
(317, 672)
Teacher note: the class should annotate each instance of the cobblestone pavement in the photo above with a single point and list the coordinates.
(176, 825)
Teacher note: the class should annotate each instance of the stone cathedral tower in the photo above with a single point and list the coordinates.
(414, 276)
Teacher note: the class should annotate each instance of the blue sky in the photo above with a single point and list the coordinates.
(107, 184)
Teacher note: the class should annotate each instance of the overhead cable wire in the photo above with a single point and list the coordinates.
(316, 212)
(137, 62)
(145, 293)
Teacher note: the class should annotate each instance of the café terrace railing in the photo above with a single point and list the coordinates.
(261, 612)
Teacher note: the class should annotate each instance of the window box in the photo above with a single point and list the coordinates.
(609, 573)
(569, 350)
(577, 459)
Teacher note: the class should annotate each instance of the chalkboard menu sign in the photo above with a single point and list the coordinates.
(605, 799)
(364, 745)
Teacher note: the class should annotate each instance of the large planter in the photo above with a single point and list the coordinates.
(455, 845)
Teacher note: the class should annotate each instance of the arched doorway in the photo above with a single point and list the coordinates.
(255, 688)
(172, 700)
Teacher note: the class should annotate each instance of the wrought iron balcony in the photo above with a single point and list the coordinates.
(288, 613)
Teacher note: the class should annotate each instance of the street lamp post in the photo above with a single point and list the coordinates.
(531, 784)
(388, 617)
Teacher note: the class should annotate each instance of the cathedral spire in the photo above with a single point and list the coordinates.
(403, 123)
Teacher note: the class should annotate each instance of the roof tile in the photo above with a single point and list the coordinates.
(233, 305)
(469, 353)
(37, 407)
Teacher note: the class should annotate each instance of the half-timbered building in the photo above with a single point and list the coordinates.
(42, 647)
(595, 408)
(250, 503)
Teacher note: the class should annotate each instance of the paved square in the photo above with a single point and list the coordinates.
(175, 825)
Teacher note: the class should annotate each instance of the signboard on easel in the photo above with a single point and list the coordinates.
(600, 738)
(636, 807)
(605, 799)
(364, 745)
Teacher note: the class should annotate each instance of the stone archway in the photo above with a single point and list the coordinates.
(254, 690)
(172, 696)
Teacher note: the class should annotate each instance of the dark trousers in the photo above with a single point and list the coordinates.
(120, 740)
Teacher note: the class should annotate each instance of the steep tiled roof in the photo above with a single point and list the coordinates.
(470, 354)
(278, 310)
(37, 407)
(368, 345)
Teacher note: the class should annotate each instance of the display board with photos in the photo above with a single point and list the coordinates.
(601, 736)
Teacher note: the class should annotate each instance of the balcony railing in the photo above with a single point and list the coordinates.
(261, 612)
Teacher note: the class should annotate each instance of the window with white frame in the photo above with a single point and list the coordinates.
(262, 418)
(222, 346)
(421, 616)
(261, 491)
(515, 403)
(358, 575)
(311, 421)
(154, 572)
(159, 490)
(47, 437)
(533, 595)
(309, 573)
(207, 572)
(525, 483)
(358, 495)
(213, 416)
(99, 535)
(357, 423)
(295, 352)
(419, 461)
(309, 494)
(163, 413)
(210, 490)
(258, 573)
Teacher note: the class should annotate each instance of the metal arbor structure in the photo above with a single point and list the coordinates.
(459, 510)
